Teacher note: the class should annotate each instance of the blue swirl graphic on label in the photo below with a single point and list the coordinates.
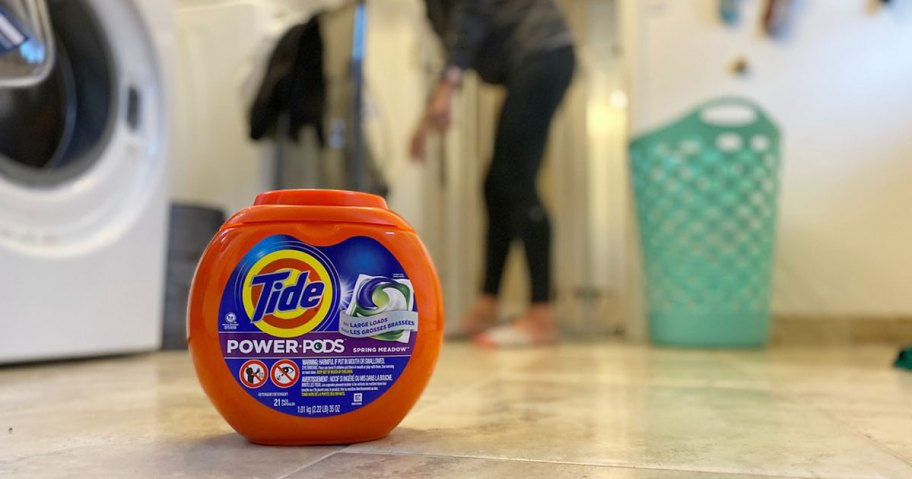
(381, 308)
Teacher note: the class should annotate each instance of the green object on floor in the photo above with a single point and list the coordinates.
(904, 359)
(706, 193)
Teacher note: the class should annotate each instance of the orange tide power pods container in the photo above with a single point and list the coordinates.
(315, 317)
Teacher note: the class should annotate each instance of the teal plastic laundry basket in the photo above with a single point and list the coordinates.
(706, 200)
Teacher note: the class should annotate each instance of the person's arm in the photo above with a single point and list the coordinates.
(470, 23)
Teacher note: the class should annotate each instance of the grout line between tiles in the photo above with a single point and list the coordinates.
(879, 445)
(310, 463)
(795, 399)
(381, 452)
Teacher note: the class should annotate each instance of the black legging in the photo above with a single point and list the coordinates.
(534, 91)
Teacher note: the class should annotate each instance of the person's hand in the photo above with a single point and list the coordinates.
(440, 111)
(417, 148)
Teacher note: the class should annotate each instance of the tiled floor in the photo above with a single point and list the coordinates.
(585, 410)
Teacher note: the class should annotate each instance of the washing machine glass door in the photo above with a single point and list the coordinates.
(26, 45)
(53, 131)
(82, 155)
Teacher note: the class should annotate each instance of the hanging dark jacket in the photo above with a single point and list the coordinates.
(294, 84)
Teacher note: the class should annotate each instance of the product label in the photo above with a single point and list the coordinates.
(317, 331)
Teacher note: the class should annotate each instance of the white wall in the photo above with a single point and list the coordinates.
(840, 87)
(212, 162)
(394, 97)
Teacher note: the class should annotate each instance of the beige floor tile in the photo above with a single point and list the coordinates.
(891, 429)
(98, 403)
(458, 369)
(857, 378)
(132, 417)
(606, 408)
(127, 420)
(376, 465)
(720, 430)
(606, 362)
(223, 456)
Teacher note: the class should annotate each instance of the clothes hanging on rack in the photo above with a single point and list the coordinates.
(294, 84)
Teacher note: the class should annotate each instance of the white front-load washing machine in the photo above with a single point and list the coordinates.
(83, 194)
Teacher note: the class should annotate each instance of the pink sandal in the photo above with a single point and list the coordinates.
(509, 336)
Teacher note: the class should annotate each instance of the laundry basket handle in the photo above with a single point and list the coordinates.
(760, 120)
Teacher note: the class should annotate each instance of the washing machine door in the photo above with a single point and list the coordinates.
(80, 152)
(82, 191)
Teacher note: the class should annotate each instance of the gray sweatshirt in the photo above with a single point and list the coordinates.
(496, 37)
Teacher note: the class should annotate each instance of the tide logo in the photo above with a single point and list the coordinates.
(287, 293)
